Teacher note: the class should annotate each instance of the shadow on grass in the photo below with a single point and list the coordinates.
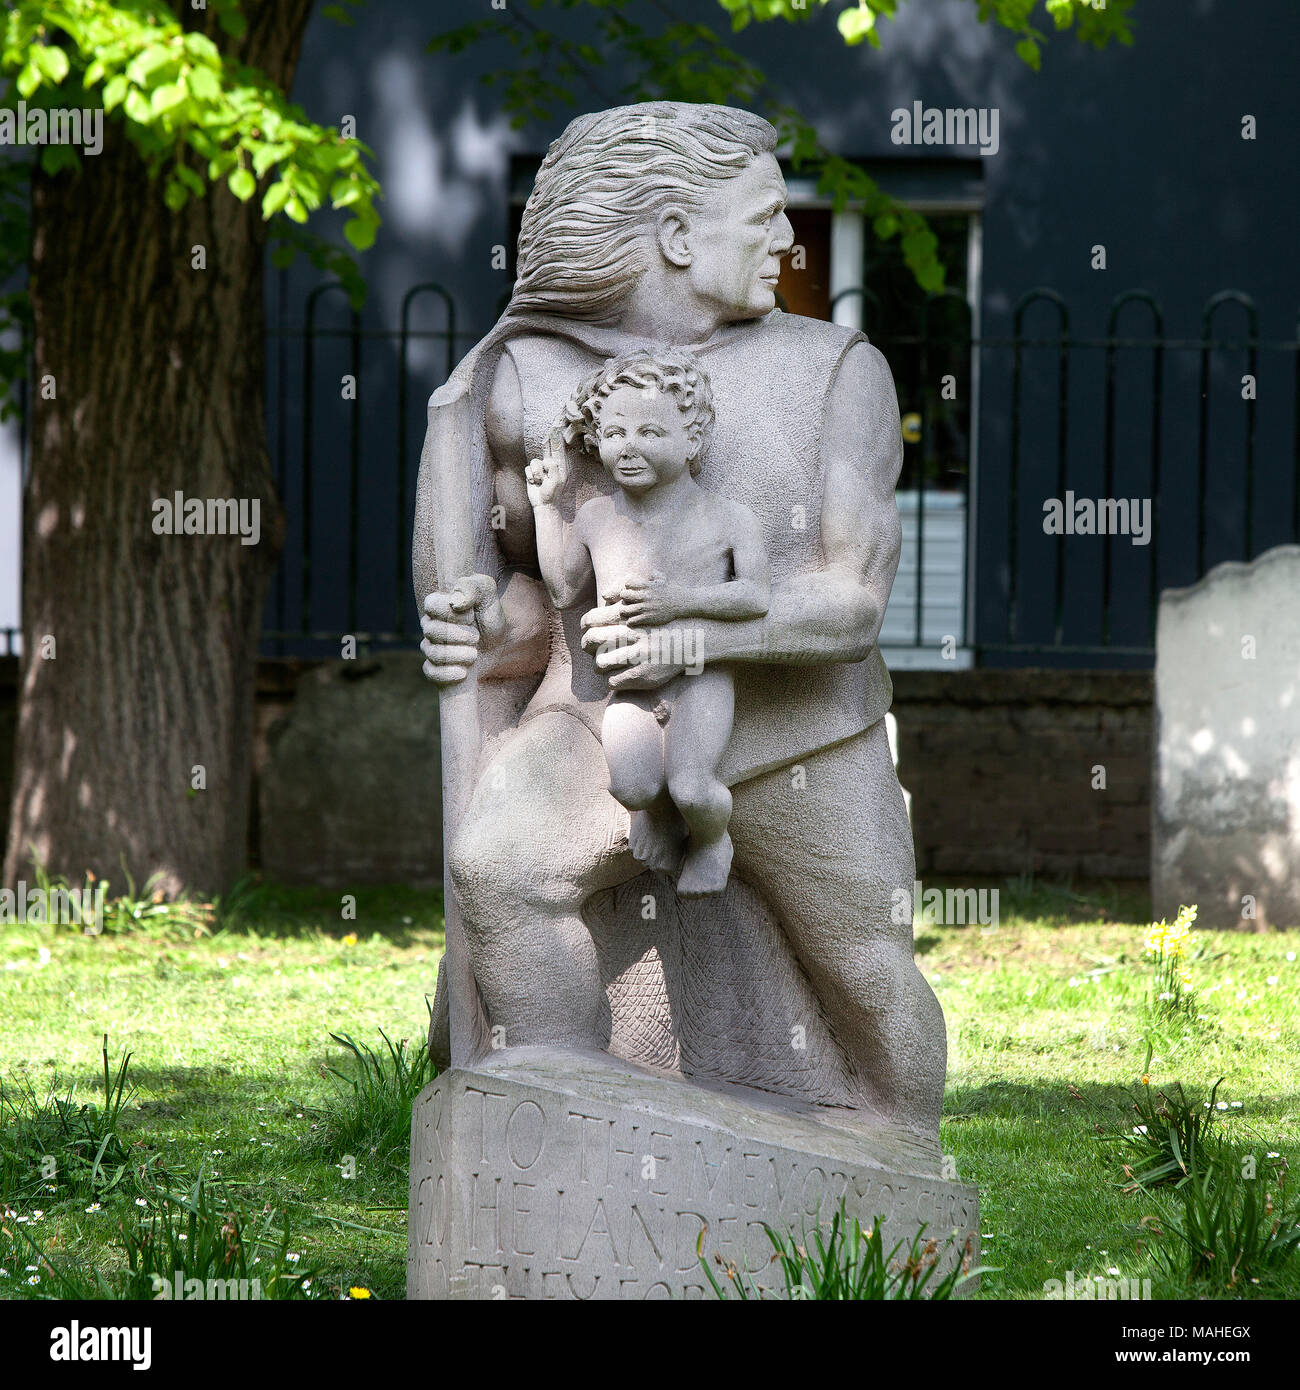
(401, 914)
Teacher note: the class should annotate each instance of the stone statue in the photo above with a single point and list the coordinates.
(715, 597)
(648, 416)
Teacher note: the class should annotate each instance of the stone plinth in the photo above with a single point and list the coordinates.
(550, 1176)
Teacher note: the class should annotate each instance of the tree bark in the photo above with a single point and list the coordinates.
(157, 387)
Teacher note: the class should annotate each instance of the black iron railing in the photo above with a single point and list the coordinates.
(1206, 429)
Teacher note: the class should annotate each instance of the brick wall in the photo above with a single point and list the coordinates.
(1000, 768)
(999, 765)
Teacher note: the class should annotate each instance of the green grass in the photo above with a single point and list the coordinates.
(232, 1058)
(1047, 1018)
(233, 1068)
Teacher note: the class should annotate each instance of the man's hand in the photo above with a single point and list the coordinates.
(632, 658)
(453, 622)
(651, 602)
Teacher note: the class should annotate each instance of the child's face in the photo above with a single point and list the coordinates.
(643, 439)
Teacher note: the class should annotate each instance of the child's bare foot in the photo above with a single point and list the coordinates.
(655, 839)
(705, 868)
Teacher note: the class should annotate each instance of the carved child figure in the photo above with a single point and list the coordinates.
(661, 549)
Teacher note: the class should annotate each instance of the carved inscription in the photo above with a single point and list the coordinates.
(523, 1193)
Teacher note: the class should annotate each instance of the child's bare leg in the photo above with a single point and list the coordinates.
(633, 740)
(694, 741)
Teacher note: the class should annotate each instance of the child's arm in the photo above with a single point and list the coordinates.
(654, 601)
(562, 555)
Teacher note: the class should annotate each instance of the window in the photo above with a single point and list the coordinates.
(840, 270)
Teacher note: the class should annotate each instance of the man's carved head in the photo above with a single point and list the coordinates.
(623, 187)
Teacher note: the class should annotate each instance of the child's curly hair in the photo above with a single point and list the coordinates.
(672, 370)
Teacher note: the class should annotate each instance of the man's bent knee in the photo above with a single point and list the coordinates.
(497, 867)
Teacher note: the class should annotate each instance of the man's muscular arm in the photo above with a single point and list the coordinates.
(451, 637)
(835, 613)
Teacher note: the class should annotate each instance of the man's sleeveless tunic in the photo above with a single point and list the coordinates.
(771, 380)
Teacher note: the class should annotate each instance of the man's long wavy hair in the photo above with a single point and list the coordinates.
(585, 234)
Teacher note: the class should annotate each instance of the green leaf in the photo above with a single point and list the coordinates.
(56, 157)
(856, 24)
(232, 22)
(344, 193)
(275, 198)
(175, 195)
(53, 62)
(114, 91)
(885, 226)
(360, 231)
(1028, 51)
(1062, 11)
(137, 107)
(204, 84)
(267, 155)
(242, 184)
(294, 208)
(202, 142)
(282, 257)
(94, 73)
(28, 80)
(190, 179)
(152, 60)
(166, 96)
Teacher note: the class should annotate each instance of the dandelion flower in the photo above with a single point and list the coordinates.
(358, 1292)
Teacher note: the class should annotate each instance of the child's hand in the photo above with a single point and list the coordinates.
(650, 602)
(544, 477)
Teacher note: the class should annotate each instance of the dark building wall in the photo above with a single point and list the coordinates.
(1135, 149)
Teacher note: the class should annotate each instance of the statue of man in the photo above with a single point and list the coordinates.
(662, 226)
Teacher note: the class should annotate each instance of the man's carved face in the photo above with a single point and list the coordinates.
(736, 241)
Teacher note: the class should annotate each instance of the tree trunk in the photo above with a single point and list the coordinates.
(135, 730)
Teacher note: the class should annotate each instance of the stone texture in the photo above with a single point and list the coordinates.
(1226, 819)
(350, 790)
(641, 232)
(543, 1176)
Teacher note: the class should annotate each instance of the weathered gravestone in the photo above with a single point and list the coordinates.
(655, 537)
(1226, 808)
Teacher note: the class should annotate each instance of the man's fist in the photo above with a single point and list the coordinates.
(453, 622)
